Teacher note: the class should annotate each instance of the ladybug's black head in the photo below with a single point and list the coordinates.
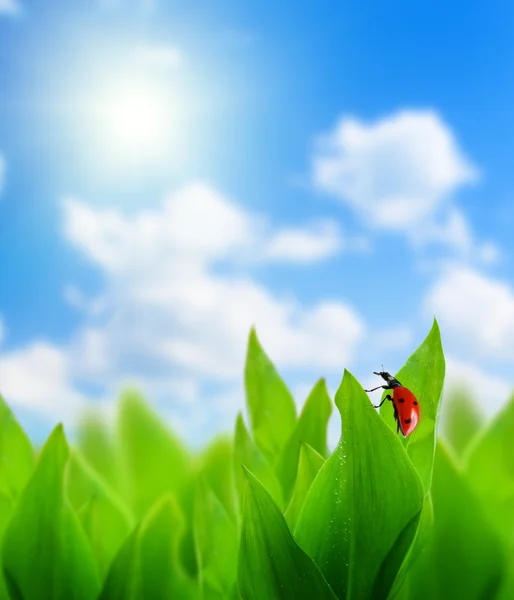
(391, 381)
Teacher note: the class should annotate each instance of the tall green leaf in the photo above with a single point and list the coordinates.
(311, 428)
(186, 502)
(270, 405)
(16, 467)
(246, 453)
(362, 511)
(464, 560)
(218, 470)
(156, 461)
(123, 581)
(217, 544)
(461, 420)
(309, 465)
(490, 471)
(45, 549)
(96, 441)
(104, 518)
(17, 456)
(6, 505)
(423, 374)
(147, 565)
(271, 565)
(423, 536)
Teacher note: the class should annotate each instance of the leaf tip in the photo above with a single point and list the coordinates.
(240, 422)
(322, 383)
(253, 340)
(251, 479)
(58, 434)
(250, 483)
(347, 379)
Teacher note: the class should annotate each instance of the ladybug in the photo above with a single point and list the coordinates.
(405, 404)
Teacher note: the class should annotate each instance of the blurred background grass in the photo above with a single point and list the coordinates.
(130, 510)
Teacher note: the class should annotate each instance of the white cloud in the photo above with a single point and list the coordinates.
(78, 300)
(400, 173)
(2, 330)
(195, 224)
(158, 56)
(10, 8)
(175, 312)
(37, 377)
(199, 225)
(452, 229)
(42, 379)
(323, 239)
(490, 392)
(396, 171)
(306, 245)
(170, 308)
(475, 311)
(489, 253)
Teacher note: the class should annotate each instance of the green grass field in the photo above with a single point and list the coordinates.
(269, 512)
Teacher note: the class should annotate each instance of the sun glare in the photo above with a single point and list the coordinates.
(134, 116)
(135, 121)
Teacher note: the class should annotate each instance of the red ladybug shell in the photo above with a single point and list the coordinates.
(406, 409)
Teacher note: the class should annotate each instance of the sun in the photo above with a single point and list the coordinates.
(134, 115)
(134, 120)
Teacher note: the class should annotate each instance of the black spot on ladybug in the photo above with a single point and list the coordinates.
(401, 400)
(415, 403)
(407, 421)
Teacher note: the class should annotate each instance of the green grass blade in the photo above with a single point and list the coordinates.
(423, 536)
(309, 465)
(423, 373)
(310, 428)
(16, 467)
(490, 472)
(97, 444)
(17, 455)
(218, 470)
(45, 549)
(361, 512)
(186, 501)
(464, 561)
(271, 407)
(6, 507)
(161, 572)
(106, 527)
(155, 460)
(246, 453)
(217, 544)
(104, 518)
(271, 564)
(462, 420)
(147, 565)
(123, 581)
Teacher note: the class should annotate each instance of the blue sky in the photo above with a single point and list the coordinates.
(334, 173)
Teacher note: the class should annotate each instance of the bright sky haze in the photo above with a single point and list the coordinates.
(336, 174)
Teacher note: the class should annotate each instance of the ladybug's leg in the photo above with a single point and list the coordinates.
(388, 397)
(384, 387)
(396, 419)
